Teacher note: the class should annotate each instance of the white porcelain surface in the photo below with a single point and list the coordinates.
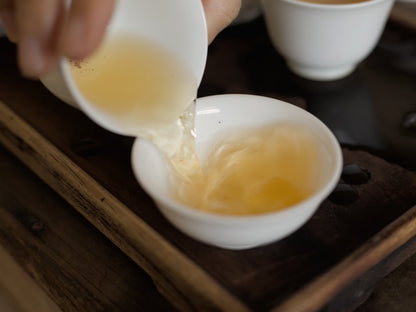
(216, 115)
(162, 21)
(325, 42)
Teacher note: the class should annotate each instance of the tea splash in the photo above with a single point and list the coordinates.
(254, 172)
(148, 90)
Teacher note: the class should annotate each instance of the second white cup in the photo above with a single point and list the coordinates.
(325, 41)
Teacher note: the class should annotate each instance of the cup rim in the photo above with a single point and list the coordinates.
(83, 104)
(334, 7)
(210, 217)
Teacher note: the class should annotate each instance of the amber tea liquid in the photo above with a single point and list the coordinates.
(253, 172)
(136, 81)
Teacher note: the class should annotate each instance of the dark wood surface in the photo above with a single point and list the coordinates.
(405, 14)
(263, 278)
(18, 291)
(73, 262)
(115, 277)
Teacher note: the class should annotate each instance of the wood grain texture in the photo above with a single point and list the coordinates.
(367, 256)
(405, 14)
(396, 292)
(79, 268)
(363, 287)
(263, 278)
(35, 151)
(139, 241)
(18, 292)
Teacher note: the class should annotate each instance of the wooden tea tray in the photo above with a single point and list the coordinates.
(330, 262)
(405, 13)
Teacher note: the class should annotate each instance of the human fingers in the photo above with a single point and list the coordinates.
(219, 14)
(5, 3)
(37, 22)
(8, 20)
(85, 27)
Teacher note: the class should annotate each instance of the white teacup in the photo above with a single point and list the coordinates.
(325, 41)
(178, 26)
(215, 115)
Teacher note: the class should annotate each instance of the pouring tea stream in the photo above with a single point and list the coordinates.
(159, 62)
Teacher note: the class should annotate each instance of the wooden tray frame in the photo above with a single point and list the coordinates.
(177, 277)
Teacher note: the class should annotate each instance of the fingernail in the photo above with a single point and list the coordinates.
(31, 58)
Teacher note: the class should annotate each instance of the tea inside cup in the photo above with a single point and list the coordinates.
(218, 118)
(147, 70)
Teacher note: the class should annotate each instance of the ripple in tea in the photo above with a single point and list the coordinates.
(250, 172)
(254, 171)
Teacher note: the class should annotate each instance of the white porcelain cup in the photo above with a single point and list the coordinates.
(178, 26)
(325, 41)
(215, 115)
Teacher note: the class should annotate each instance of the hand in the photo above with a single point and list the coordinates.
(219, 14)
(44, 31)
